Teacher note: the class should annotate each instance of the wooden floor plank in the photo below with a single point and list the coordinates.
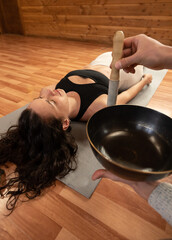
(74, 219)
(35, 225)
(66, 235)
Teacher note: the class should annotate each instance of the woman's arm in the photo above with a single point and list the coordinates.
(129, 94)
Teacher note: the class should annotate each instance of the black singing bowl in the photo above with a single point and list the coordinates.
(133, 142)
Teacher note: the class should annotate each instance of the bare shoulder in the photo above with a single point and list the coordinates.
(98, 104)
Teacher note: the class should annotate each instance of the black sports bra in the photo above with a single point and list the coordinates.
(87, 92)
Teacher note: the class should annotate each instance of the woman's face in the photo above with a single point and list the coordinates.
(51, 103)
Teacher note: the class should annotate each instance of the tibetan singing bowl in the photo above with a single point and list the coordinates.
(132, 142)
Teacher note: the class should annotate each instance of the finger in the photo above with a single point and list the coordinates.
(127, 52)
(130, 69)
(102, 173)
(128, 42)
(98, 174)
(126, 62)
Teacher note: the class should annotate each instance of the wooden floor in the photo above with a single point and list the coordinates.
(114, 210)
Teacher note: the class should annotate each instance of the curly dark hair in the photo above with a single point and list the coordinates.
(41, 151)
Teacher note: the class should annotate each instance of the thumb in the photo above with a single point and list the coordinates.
(102, 173)
(126, 62)
(98, 174)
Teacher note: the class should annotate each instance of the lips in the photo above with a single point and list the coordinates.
(57, 91)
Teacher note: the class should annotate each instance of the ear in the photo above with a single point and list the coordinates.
(65, 124)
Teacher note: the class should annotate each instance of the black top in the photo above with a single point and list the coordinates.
(87, 92)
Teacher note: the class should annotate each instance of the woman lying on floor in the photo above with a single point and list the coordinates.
(41, 145)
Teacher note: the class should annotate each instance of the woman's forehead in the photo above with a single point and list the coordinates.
(42, 107)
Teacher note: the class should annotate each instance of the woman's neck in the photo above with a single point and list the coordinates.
(74, 104)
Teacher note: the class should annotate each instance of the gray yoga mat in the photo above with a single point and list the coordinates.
(143, 97)
(80, 179)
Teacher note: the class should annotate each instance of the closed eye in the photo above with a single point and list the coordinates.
(53, 102)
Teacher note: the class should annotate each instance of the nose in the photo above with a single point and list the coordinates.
(49, 93)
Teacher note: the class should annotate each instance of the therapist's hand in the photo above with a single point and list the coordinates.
(146, 51)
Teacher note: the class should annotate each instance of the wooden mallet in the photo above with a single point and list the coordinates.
(118, 42)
